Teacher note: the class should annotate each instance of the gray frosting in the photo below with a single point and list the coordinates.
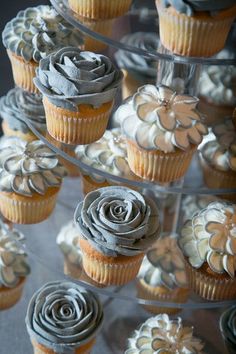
(63, 316)
(228, 326)
(118, 221)
(71, 77)
(17, 105)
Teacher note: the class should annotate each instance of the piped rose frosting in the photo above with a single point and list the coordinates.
(228, 327)
(27, 168)
(210, 237)
(63, 316)
(68, 241)
(160, 334)
(157, 118)
(70, 77)
(118, 221)
(38, 31)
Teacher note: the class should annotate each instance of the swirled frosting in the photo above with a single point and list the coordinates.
(228, 326)
(157, 118)
(38, 31)
(13, 259)
(63, 316)
(163, 265)
(68, 241)
(160, 334)
(193, 203)
(17, 105)
(27, 168)
(70, 77)
(118, 221)
(210, 237)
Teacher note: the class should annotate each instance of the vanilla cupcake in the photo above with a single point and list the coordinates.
(194, 203)
(32, 35)
(63, 317)
(160, 334)
(78, 94)
(117, 225)
(163, 131)
(208, 243)
(228, 328)
(30, 180)
(14, 267)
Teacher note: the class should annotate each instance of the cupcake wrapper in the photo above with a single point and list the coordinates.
(41, 349)
(89, 185)
(10, 296)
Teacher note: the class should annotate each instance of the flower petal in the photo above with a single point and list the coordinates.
(215, 261)
(229, 265)
(144, 111)
(166, 118)
(181, 139)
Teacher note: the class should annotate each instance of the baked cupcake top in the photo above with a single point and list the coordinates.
(70, 77)
(160, 334)
(63, 316)
(210, 238)
(28, 168)
(38, 31)
(18, 105)
(118, 221)
(13, 259)
(193, 203)
(108, 154)
(157, 118)
(228, 326)
(163, 265)
(190, 7)
(68, 241)
(221, 152)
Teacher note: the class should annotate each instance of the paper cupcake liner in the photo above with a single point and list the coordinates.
(23, 72)
(29, 136)
(83, 127)
(215, 113)
(89, 185)
(158, 166)
(10, 296)
(41, 349)
(194, 35)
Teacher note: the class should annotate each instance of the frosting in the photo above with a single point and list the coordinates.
(157, 118)
(70, 77)
(210, 237)
(118, 221)
(228, 326)
(13, 259)
(17, 105)
(38, 31)
(68, 241)
(160, 334)
(63, 316)
(193, 203)
(28, 168)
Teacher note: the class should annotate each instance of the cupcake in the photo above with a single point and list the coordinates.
(228, 328)
(13, 266)
(208, 243)
(138, 70)
(78, 93)
(63, 317)
(160, 334)
(163, 130)
(162, 276)
(117, 225)
(194, 203)
(19, 106)
(190, 28)
(30, 180)
(32, 35)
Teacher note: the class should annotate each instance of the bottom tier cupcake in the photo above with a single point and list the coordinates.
(228, 329)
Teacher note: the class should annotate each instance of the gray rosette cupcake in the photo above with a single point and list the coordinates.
(228, 328)
(30, 179)
(32, 35)
(78, 92)
(117, 225)
(63, 317)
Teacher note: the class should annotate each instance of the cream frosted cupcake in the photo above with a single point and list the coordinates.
(117, 225)
(208, 243)
(32, 35)
(194, 203)
(17, 106)
(160, 334)
(162, 276)
(163, 130)
(228, 328)
(30, 180)
(78, 93)
(14, 267)
(63, 317)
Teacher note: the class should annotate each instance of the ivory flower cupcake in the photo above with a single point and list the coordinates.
(208, 242)
(32, 35)
(117, 225)
(63, 317)
(163, 130)
(194, 203)
(228, 328)
(14, 267)
(30, 179)
(78, 92)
